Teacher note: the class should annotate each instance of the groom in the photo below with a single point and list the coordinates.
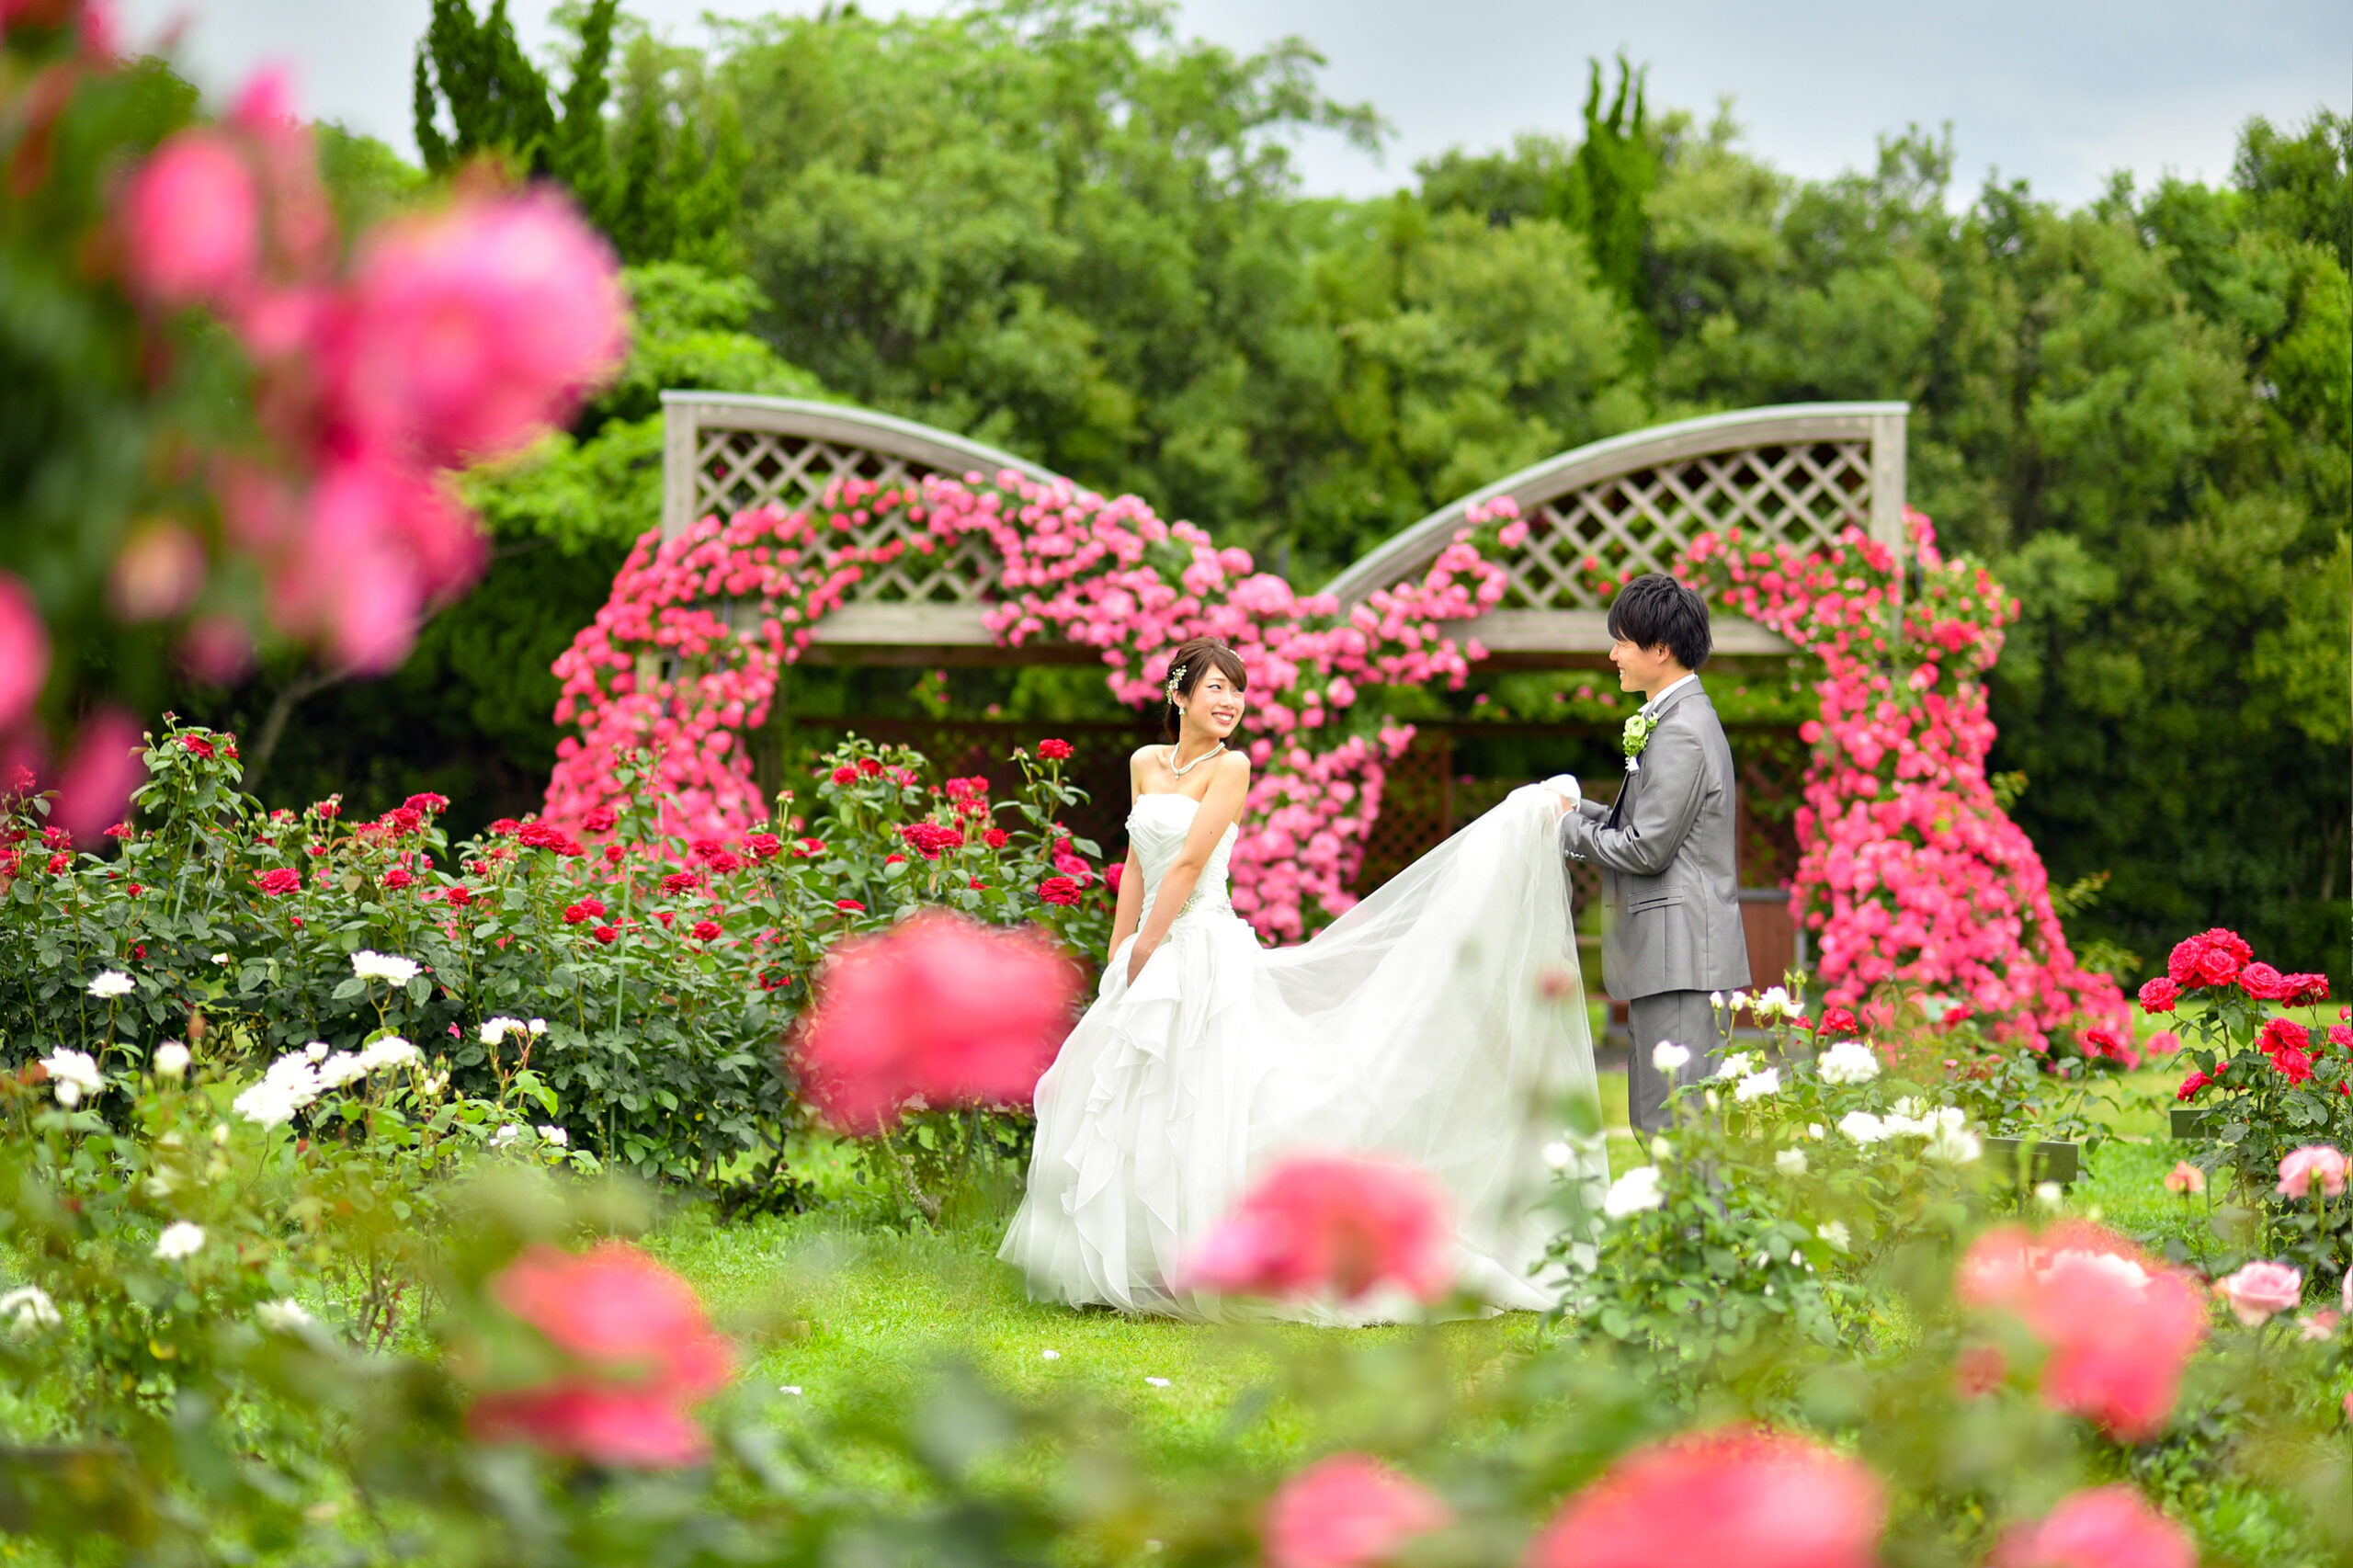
(1672, 933)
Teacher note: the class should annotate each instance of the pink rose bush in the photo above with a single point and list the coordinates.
(1909, 872)
(1104, 573)
(299, 396)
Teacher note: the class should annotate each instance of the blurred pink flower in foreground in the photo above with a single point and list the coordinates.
(941, 1007)
(191, 222)
(2106, 1527)
(2120, 1327)
(473, 329)
(2260, 1289)
(645, 1353)
(1337, 1222)
(24, 653)
(1347, 1511)
(1738, 1496)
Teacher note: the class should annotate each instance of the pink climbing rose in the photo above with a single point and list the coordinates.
(1341, 1223)
(1347, 1511)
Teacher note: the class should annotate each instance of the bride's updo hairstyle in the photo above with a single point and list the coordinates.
(1190, 665)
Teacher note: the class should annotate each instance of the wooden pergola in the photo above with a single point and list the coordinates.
(1797, 474)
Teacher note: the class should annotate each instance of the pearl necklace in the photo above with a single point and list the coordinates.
(1178, 772)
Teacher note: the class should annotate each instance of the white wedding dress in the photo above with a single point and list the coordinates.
(1414, 1026)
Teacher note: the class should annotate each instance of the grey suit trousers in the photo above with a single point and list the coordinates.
(1684, 1017)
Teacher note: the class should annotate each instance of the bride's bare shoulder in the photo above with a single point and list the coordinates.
(1234, 765)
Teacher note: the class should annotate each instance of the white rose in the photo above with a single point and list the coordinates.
(1953, 1146)
(1791, 1162)
(555, 1135)
(1834, 1233)
(1669, 1057)
(1862, 1127)
(342, 1067)
(1558, 1155)
(391, 1050)
(1756, 1085)
(282, 1316)
(1737, 1064)
(371, 965)
(1848, 1062)
(1632, 1193)
(180, 1240)
(171, 1059)
(74, 1075)
(111, 983)
(29, 1310)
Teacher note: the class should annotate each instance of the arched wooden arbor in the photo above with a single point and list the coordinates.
(1797, 474)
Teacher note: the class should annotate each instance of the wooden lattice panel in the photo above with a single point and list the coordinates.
(739, 469)
(1582, 544)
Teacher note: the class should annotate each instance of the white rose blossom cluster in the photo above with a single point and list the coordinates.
(298, 1077)
(1945, 1129)
(1848, 1062)
(1632, 1193)
(28, 1310)
(73, 1075)
(372, 965)
(111, 983)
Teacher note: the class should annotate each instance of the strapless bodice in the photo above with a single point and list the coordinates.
(1156, 827)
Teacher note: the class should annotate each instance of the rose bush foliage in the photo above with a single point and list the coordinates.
(664, 969)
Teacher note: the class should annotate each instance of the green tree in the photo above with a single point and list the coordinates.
(475, 75)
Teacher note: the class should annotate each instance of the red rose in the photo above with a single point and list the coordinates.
(1840, 1021)
(2210, 957)
(665, 916)
(844, 774)
(586, 909)
(869, 768)
(2159, 995)
(328, 810)
(536, 836)
(277, 884)
(726, 861)
(644, 1353)
(978, 886)
(1054, 751)
(895, 859)
(2112, 1044)
(808, 848)
(119, 830)
(2283, 1034)
(2293, 1065)
(197, 745)
(2305, 989)
(994, 839)
(58, 863)
(397, 879)
(403, 820)
(504, 827)
(2341, 1036)
(705, 931)
(615, 853)
(458, 896)
(600, 819)
(134, 890)
(57, 838)
(1058, 890)
(972, 789)
(426, 804)
(850, 907)
(1113, 873)
(607, 935)
(2264, 983)
(763, 846)
(681, 882)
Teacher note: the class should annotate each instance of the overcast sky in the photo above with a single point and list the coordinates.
(2059, 92)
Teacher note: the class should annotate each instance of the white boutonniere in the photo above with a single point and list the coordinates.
(1635, 736)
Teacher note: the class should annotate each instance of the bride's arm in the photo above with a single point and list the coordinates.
(1228, 788)
(1130, 908)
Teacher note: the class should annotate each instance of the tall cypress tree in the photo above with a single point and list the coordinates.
(1613, 171)
(496, 100)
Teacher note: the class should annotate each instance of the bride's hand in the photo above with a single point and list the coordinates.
(1138, 955)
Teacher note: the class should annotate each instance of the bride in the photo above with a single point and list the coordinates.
(1414, 1026)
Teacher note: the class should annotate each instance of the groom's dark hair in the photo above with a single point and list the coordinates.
(1656, 608)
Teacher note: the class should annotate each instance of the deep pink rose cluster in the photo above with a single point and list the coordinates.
(1071, 564)
(1909, 871)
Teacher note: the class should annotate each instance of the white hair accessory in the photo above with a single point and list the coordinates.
(1175, 679)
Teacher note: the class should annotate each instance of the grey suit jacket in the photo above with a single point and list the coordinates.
(1668, 881)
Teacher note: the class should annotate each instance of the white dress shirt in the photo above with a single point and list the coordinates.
(1673, 685)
